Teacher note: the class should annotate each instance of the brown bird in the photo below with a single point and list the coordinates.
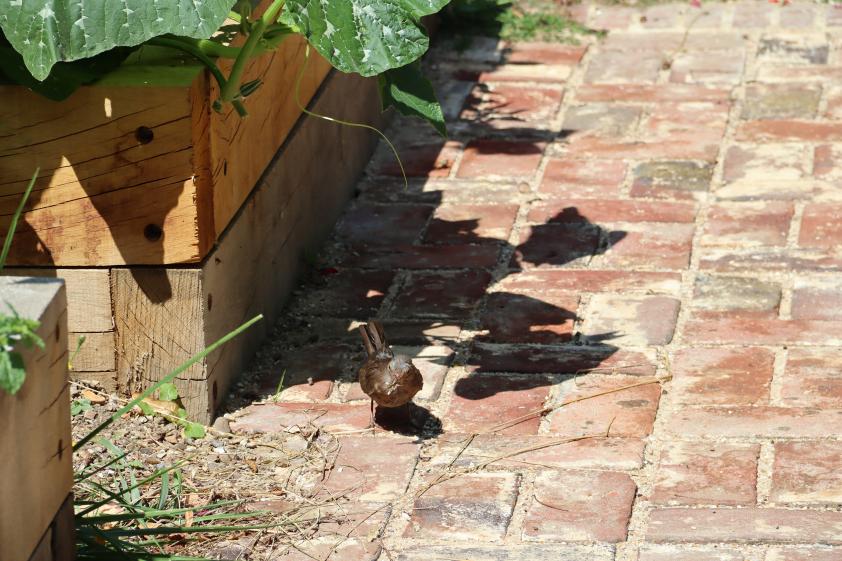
(389, 380)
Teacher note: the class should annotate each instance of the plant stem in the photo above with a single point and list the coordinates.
(231, 91)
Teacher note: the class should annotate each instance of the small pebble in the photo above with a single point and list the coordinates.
(221, 424)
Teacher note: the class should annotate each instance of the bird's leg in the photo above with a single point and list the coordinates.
(371, 418)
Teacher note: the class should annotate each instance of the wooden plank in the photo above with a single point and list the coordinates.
(88, 296)
(101, 186)
(97, 353)
(243, 148)
(35, 442)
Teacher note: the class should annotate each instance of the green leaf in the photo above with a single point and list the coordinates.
(145, 408)
(80, 406)
(194, 430)
(364, 36)
(52, 31)
(411, 93)
(168, 392)
(12, 373)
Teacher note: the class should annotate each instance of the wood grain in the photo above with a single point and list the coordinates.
(35, 442)
(97, 353)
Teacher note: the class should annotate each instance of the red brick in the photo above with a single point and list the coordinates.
(603, 453)
(797, 16)
(833, 111)
(576, 178)
(812, 378)
(671, 41)
(821, 225)
(752, 15)
(553, 245)
(684, 146)
(383, 225)
(519, 552)
(633, 320)
(613, 17)
(433, 362)
(701, 120)
(674, 552)
(543, 53)
(469, 508)
(482, 401)
(807, 472)
(305, 379)
(648, 245)
(611, 211)
(750, 330)
(471, 223)
(657, 17)
(826, 161)
(754, 422)
(474, 256)
(579, 506)
(707, 376)
(783, 130)
(515, 318)
(372, 468)
(706, 473)
(539, 283)
(605, 120)
(441, 294)
(817, 553)
(348, 293)
(708, 67)
(277, 417)
(651, 93)
(768, 259)
(422, 160)
(508, 107)
(817, 299)
(775, 71)
(640, 67)
(501, 158)
(751, 223)
(571, 360)
(744, 525)
(630, 412)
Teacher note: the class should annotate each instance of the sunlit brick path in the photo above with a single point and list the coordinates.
(655, 209)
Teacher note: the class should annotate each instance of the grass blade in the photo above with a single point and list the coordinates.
(7, 243)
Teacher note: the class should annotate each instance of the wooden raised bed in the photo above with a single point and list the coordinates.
(35, 442)
(172, 224)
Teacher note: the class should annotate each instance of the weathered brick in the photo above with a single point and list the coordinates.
(624, 67)
(277, 417)
(725, 294)
(629, 411)
(781, 101)
(706, 473)
(797, 16)
(501, 158)
(583, 179)
(753, 330)
(672, 180)
(608, 210)
(821, 225)
(833, 110)
(646, 245)
(667, 42)
(773, 171)
(789, 130)
(651, 93)
(441, 294)
(768, 259)
(602, 120)
(744, 525)
(471, 507)
(433, 362)
(569, 360)
(383, 225)
(305, 379)
(372, 468)
(751, 15)
(472, 256)
(553, 245)
(543, 53)
(634, 320)
(540, 283)
(687, 145)
(754, 421)
(706, 376)
(674, 552)
(580, 506)
(817, 298)
(687, 121)
(807, 472)
(508, 107)
(471, 223)
(429, 159)
(348, 293)
(798, 49)
(812, 378)
(815, 553)
(748, 223)
(531, 552)
(708, 67)
(482, 401)
(342, 533)
(516, 318)
(613, 17)
(657, 17)
(603, 453)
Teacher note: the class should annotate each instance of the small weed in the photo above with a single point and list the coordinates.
(169, 406)
(79, 406)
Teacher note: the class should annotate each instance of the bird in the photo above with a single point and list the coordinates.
(389, 380)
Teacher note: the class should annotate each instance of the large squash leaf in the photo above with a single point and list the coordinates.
(52, 31)
(364, 36)
(411, 93)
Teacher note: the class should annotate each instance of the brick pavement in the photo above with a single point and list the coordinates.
(652, 205)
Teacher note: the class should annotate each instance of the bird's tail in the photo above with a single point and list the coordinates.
(374, 338)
